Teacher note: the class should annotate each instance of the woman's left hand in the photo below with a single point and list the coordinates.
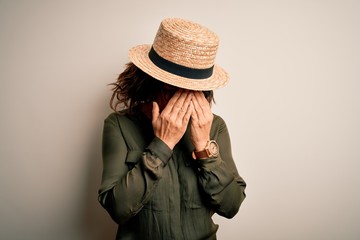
(201, 120)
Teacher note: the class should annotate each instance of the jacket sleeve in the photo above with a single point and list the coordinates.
(124, 191)
(218, 177)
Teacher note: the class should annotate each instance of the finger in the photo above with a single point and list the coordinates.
(203, 106)
(194, 114)
(155, 111)
(202, 109)
(188, 114)
(169, 106)
(197, 105)
(179, 104)
(184, 105)
(203, 102)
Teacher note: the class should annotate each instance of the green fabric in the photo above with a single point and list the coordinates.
(155, 193)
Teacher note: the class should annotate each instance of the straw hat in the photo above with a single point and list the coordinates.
(183, 55)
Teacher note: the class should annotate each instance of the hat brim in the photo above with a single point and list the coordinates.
(139, 55)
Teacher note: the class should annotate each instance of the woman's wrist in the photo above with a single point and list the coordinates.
(170, 144)
(199, 146)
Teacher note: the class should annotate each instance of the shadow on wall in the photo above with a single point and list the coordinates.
(95, 221)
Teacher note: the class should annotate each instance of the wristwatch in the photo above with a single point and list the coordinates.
(211, 150)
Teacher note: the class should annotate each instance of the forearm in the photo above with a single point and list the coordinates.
(224, 191)
(219, 178)
(132, 191)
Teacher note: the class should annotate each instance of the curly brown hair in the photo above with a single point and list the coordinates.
(133, 87)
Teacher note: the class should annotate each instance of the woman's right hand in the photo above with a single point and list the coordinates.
(170, 125)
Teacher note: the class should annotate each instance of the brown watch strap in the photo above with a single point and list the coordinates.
(201, 154)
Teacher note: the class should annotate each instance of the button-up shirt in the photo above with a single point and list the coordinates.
(153, 192)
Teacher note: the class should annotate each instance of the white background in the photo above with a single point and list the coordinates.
(292, 107)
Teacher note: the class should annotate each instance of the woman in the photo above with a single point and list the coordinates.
(167, 162)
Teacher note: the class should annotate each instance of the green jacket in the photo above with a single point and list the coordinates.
(153, 192)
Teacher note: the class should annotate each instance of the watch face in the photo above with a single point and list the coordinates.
(213, 148)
